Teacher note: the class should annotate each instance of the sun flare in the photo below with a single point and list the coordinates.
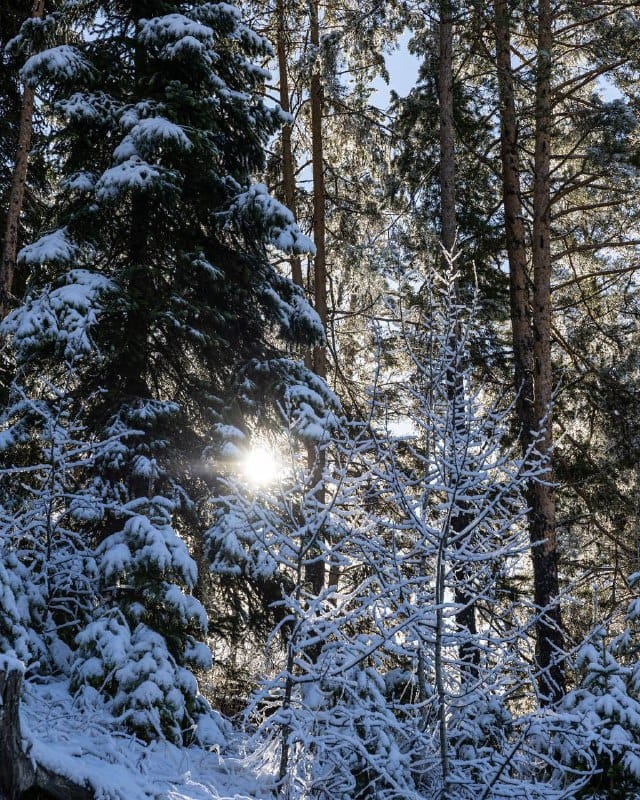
(261, 466)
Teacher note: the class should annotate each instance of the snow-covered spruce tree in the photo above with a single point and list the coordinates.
(156, 286)
(597, 733)
(49, 569)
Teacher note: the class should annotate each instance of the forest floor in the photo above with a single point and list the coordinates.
(75, 737)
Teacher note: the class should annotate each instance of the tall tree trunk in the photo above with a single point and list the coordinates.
(288, 162)
(319, 191)
(465, 616)
(16, 195)
(543, 517)
(447, 131)
(532, 332)
(521, 322)
(316, 567)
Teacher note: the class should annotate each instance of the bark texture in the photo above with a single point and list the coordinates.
(288, 162)
(447, 130)
(315, 573)
(543, 515)
(18, 184)
(516, 242)
(18, 771)
(531, 329)
(319, 191)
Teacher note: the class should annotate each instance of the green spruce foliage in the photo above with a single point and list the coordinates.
(148, 329)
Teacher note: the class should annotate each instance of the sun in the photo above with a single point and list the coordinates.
(261, 466)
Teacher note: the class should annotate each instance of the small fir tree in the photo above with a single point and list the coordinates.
(599, 733)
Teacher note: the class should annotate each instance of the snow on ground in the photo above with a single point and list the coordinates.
(78, 739)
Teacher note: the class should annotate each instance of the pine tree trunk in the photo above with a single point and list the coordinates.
(532, 332)
(18, 183)
(543, 516)
(319, 192)
(288, 163)
(447, 131)
(521, 322)
(288, 160)
(316, 568)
